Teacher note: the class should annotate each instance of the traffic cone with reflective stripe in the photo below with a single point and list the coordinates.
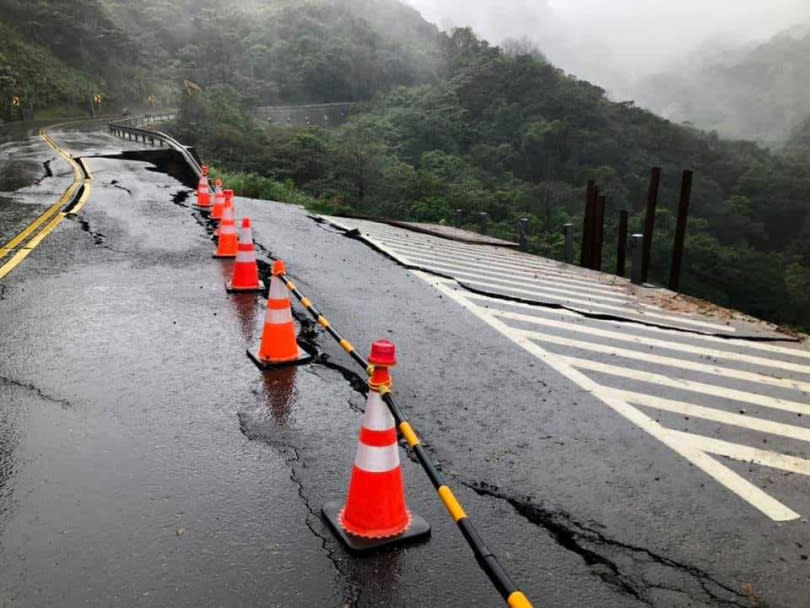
(375, 512)
(203, 193)
(279, 345)
(245, 270)
(219, 203)
(228, 203)
(228, 244)
(205, 170)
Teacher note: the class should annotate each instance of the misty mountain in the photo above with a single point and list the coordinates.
(275, 51)
(759, 92)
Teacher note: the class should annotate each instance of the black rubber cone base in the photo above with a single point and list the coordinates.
(418, 530)
(230, 289)
(303, 357)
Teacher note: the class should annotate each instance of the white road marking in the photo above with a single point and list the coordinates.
(728, 478)
(743, 452)
(648, 357)
(484, 260)
(646, 341)
(709, 413)
(524, 278)
(590, 305)
(600, 308)
(689, 385)
(767, 347)
(546, 285)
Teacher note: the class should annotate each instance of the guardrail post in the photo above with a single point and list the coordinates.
(459, 217)
(621, 252)
(598, 231)
(483, 221)
(586, 251)
(568, 250)
(649, 221)
(680, 231)
(523, 228)
(636, 251)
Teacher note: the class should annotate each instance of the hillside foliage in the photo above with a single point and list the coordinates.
(446, 122)
(516, 137)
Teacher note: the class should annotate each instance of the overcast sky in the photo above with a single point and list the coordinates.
(615, 41)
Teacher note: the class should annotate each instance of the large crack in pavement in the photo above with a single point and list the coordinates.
(291, 453)
(37, 391)
(630, 569)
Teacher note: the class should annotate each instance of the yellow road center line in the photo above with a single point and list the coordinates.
(52, 215)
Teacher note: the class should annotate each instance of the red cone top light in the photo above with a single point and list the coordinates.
(383, 353)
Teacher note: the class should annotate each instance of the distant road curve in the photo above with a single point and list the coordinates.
(320, 115)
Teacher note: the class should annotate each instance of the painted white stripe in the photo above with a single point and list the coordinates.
(771, 507)
(277, 290)
(647, 341)
(491, 256)
(648, 357)
(376, 460)
(708, 413)
(766, 347)
(743, 452)
(682, 320)
(527, 280)
(476, 261)
(406, 237)
(278, 317)
(510, 255)
(689, 385)
(624, 311)
(377, 416)
(245, 257)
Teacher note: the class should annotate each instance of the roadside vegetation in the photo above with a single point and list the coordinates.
(515, 137)
(446, 122)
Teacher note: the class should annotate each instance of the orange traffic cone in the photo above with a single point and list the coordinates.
(219, 202)
(227, 203)
(279, 345)
(227, 246)
(245, 270)
(375, 513)
(203, 193)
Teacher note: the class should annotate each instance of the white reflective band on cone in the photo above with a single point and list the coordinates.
(278, 317)
(245, 236)
(277, 290)
(226, 229)
(245, 256)
(377, 416)
(376, 460)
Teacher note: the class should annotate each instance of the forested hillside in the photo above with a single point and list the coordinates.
(279, 51)
(514, 136)
(761, 93)
(448, 121)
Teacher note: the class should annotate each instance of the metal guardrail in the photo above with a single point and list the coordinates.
(321, 114)
(141, 127)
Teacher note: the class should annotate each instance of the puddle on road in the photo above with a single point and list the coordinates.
(279, 390)
(19, 173)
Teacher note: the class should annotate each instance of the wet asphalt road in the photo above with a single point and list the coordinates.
(144, 461)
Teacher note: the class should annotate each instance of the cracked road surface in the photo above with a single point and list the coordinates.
(144, 460)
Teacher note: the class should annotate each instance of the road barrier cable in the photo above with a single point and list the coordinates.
(486, 559)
